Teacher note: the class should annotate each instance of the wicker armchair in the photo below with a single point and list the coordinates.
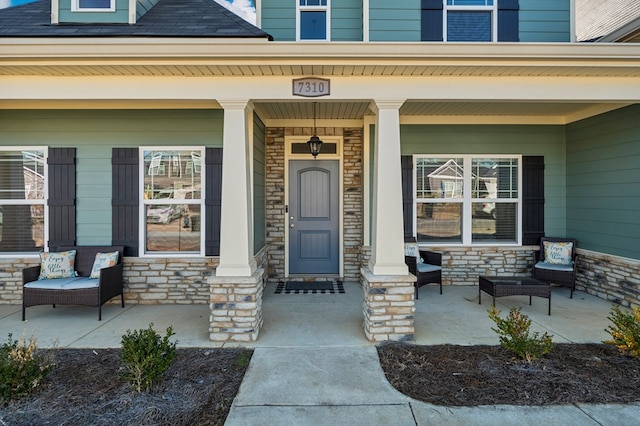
(428, 271)
(563, 274)
(110, 283)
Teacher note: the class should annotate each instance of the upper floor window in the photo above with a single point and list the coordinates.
(172, 200)
(467, 199)
(23, 195)
(313, 17)
(94, 5)
(470, 20)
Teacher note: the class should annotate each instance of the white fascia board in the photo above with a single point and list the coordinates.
(256, 50)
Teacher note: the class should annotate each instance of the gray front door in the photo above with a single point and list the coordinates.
(314, 217)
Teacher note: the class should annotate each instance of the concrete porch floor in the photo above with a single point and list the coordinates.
(305, 320)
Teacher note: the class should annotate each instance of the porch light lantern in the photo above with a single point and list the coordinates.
(315, 144)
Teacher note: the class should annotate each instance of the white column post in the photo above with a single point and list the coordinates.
(387, 240)
(236, 236)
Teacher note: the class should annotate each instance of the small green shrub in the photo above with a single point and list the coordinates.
(22, 368)
(515, 335)
(625, 331)
(146, 356)
(243, 359)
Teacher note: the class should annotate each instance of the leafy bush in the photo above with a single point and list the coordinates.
(22, 368)
(146, 356)
(515, 335)
(625, 331)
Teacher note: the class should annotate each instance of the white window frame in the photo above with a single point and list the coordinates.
(75, 7)
(45, 151)
(468, 201)
(494, 17)
(142, 236)
(326, 9)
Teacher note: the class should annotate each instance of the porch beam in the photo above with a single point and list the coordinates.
(236, 236)
(387, 240)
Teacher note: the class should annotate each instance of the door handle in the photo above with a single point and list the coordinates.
(292, 225)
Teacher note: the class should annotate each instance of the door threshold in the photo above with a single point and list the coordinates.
(312, 277)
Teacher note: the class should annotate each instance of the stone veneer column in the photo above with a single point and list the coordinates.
(236, 308)
(388, 287)
(236, 290)
(389, 307)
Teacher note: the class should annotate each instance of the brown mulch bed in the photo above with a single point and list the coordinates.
(85, 388)
(453, 375)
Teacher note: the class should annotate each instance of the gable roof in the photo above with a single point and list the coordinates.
(606, 20)
(168, 18)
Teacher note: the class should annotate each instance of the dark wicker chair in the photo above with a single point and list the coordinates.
(110, 282)
(564, 275)
(428, 271)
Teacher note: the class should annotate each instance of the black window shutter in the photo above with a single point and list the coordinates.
(532, 199)
(431, 20)
(407, 195)
(213, 200)
(125, 174)
(62, 197)
(508, 20)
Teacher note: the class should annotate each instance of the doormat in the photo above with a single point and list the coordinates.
(310, 287)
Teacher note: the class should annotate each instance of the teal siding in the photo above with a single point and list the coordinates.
(545, 21)
(346, 20)
(259, 185)
(143, 6)
(394, 21)
(603, 182)
(94, 133)
(279, 19)
(548, 141)
(121, 14)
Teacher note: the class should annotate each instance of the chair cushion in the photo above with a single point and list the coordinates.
(554, 266)
(426, 267)
(57, 264)
(70, 283)
(103, 260)
(558, 253)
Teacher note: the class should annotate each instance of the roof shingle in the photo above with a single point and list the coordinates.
(168, 18)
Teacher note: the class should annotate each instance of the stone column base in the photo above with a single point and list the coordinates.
(389, 306)
(236, 308)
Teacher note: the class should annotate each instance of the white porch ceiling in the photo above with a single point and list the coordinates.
(355, 110)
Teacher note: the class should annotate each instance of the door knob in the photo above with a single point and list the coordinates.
(292, 225)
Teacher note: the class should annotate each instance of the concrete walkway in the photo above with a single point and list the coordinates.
(313, 366)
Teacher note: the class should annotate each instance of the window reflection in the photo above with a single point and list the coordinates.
(439, 222)
(172, 198)
(22, 198)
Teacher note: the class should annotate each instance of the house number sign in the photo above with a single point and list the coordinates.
(311, 87)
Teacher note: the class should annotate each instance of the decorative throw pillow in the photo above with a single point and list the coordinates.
(57, 264)
(411, 249)
(103, 260)
(558, 253)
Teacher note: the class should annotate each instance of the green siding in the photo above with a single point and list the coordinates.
(259, 185)
(394, 21)
(121, 14)
(545, 21)
(603, 182)
(279, 19)
(94, 133)
(548, 141)
(346, 20)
